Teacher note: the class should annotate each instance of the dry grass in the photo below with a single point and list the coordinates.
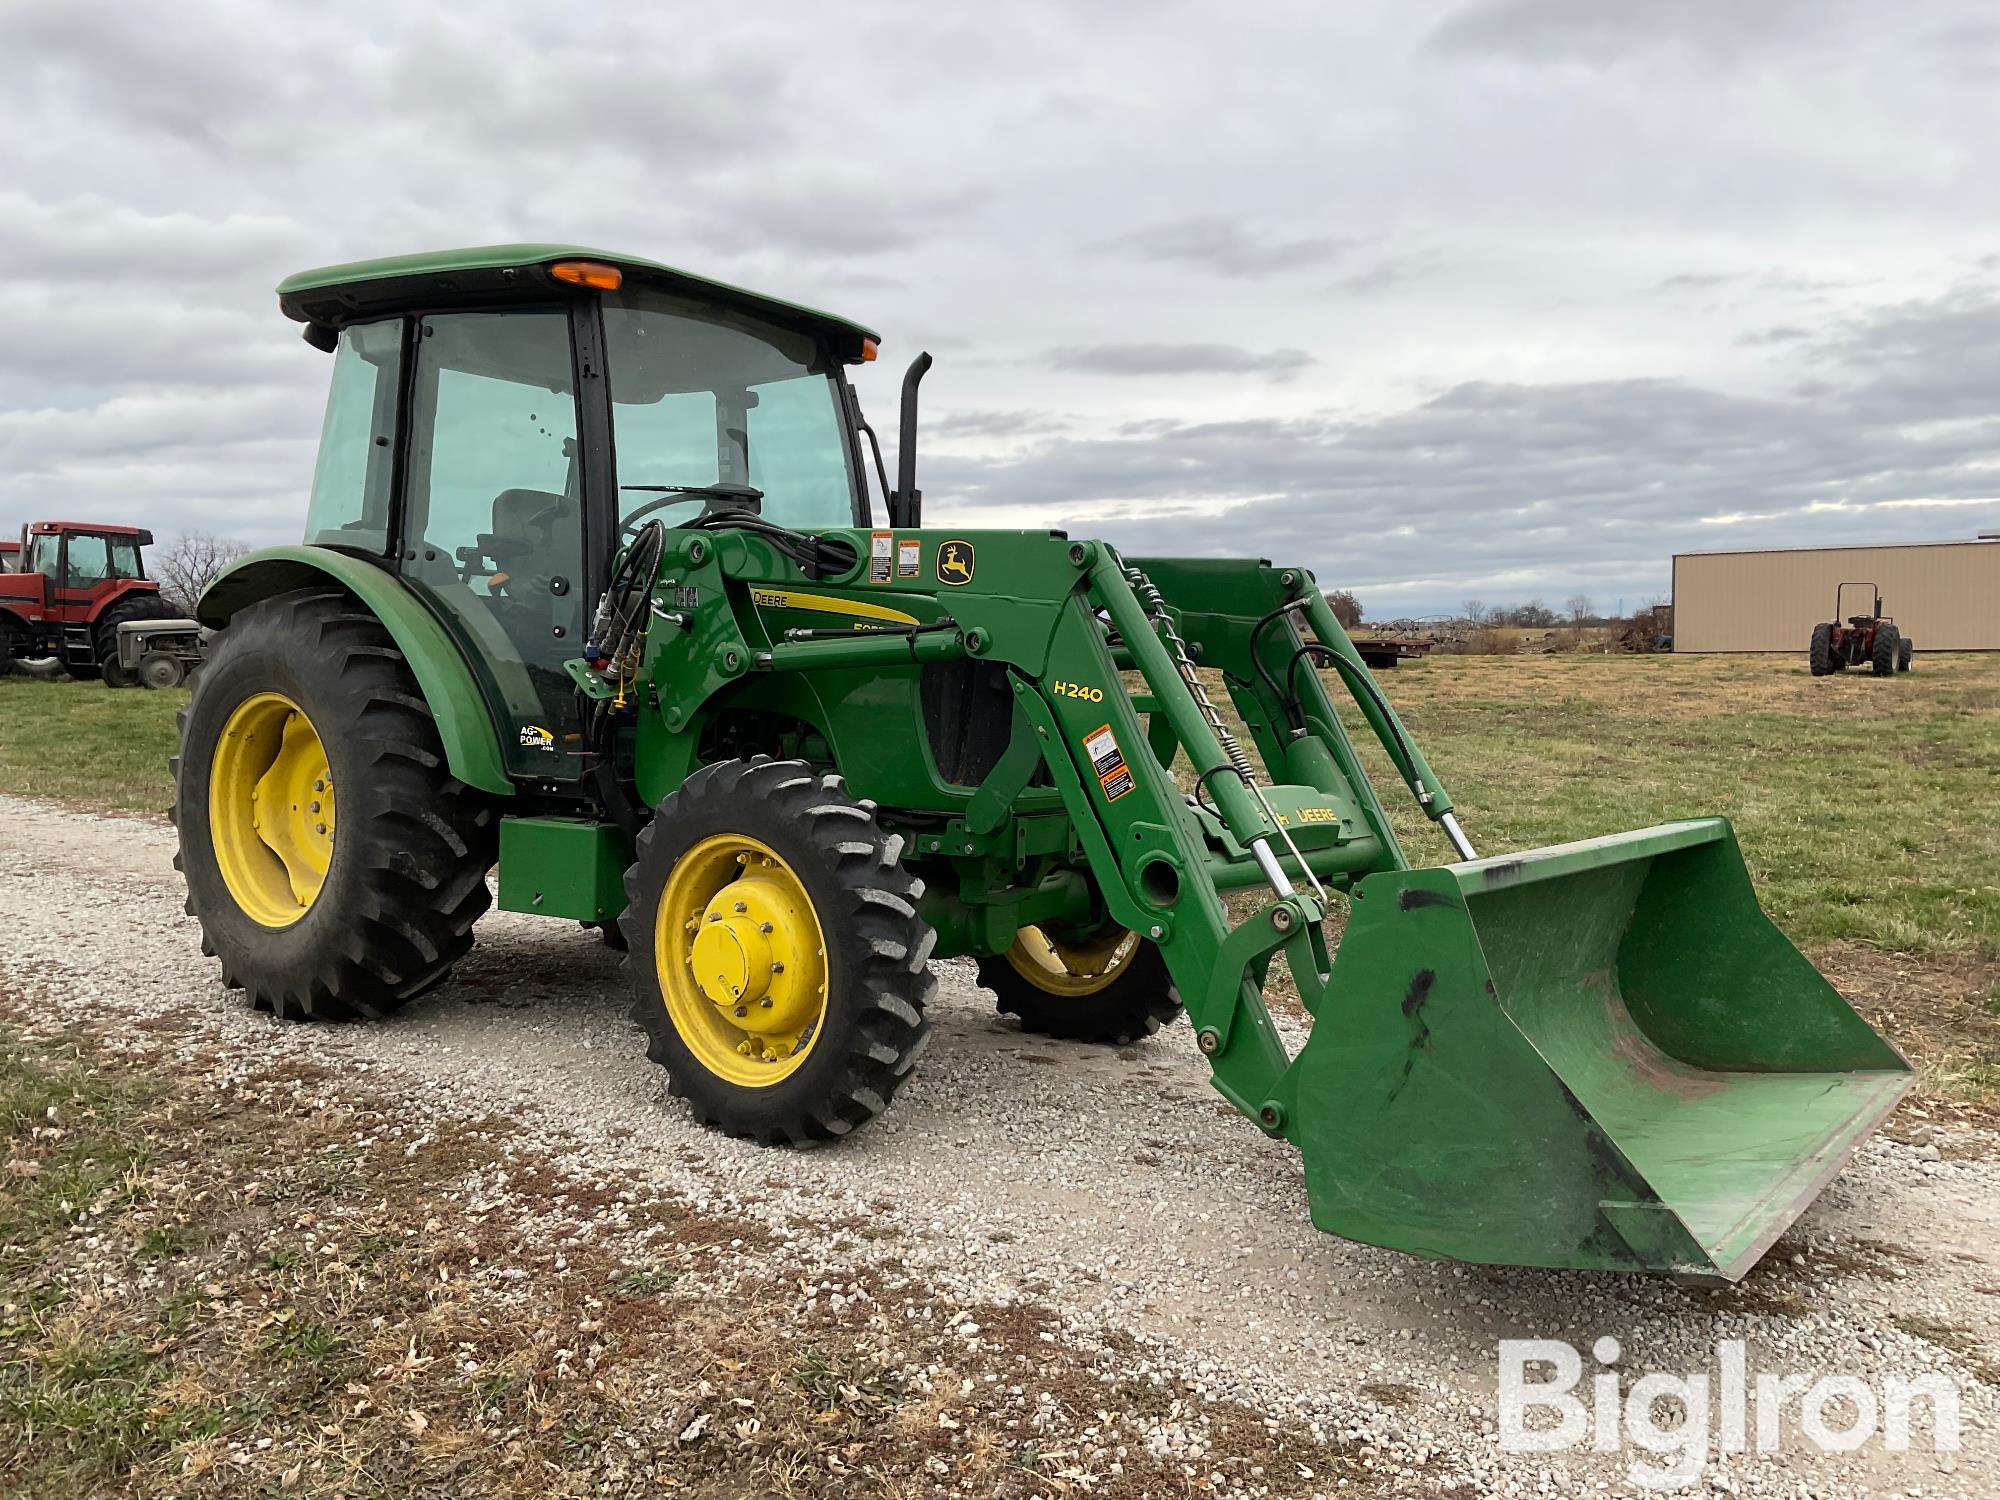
(273, 1282)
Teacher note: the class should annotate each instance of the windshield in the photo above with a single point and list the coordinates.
(701, 396)
(93, 558)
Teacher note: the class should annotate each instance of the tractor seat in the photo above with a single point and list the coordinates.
(525, 523)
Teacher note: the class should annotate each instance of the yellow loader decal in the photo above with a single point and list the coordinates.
(828, 604)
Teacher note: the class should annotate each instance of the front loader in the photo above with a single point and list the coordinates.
(592, 586)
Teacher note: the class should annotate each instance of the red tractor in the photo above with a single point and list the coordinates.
(76, 584)
(1871, 640)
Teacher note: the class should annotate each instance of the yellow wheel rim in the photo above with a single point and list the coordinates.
(270, 809)
(741, 960)
(1062, 968)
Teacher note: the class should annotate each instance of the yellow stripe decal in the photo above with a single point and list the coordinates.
(828, 604)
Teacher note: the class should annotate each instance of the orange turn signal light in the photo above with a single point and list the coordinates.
(869, 349)
(590, 273)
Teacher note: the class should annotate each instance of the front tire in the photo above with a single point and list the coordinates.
(777, 962)
(1905, 653)
(1888, 647)
(1820, 653)
(334, 863)
(1112, 987)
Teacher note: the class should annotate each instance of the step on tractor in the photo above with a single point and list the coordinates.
(71, 586)
(593, 586)
(1868, 640)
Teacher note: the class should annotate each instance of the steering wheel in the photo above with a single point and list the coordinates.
(637, 518)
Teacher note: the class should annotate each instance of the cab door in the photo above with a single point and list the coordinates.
(492, 517)
(91, 566)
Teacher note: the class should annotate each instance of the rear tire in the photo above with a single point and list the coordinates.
(405, 863)
(1888, 647)
(1820, 653)
(1905, 653)
(105, 637)
(1034, 981)
(851, 962)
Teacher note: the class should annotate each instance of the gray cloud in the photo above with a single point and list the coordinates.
(1554, 486)
(1505, 297)
(1228, 247)
(1591, 32)
(1178, 359)
(992, 424)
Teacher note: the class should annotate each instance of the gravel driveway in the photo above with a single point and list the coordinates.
(1113, 1187)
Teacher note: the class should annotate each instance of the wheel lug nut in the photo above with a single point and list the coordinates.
(741, 907)
(315, 807)
(319, 786)
(715, 916)
(765, 1003)
(777, 967)
(319, 828)
(764, 927)
(742, 1010)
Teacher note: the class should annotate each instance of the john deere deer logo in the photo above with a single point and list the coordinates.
(954, 562)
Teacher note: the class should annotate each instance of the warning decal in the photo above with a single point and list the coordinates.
(880, 546)
(1109, 762)
(909, 557)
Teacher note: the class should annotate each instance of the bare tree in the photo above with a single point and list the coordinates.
(1346, 608)
(187, 565)
(1580, 608)
(1475, 611)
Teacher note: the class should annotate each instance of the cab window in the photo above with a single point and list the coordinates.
(702, 396)
(87, 561)
(357, 454)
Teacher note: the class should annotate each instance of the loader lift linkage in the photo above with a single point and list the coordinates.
(789, 756)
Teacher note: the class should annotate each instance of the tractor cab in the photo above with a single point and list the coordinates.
(497, 429)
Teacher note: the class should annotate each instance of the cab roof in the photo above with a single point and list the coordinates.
(435, 280)
(50, 528)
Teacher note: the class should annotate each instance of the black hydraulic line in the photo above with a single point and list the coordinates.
(1360, 678)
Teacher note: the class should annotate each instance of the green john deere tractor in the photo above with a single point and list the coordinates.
(592, 587)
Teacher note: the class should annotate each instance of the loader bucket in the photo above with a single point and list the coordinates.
(1599, 1055)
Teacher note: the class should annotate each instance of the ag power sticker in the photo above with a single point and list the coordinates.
(1101, 745)
(881, 545)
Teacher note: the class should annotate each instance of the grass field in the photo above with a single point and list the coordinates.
(1866, 807)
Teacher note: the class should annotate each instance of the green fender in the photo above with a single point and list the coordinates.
(471, 744)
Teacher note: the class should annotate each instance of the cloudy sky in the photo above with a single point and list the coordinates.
(1445, 298)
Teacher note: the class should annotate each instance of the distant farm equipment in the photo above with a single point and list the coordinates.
(73, 584)
(161, 653)
(1381, 652)
(1871, 640)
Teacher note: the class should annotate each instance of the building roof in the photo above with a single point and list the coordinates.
(332, 295)
(1982, 539)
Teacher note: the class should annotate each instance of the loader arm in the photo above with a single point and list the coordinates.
(1556, 1058)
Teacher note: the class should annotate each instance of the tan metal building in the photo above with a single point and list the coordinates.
(1945, 596)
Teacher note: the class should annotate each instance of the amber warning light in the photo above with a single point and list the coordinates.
(590, 273)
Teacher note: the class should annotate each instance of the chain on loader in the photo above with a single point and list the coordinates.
(593, 586)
